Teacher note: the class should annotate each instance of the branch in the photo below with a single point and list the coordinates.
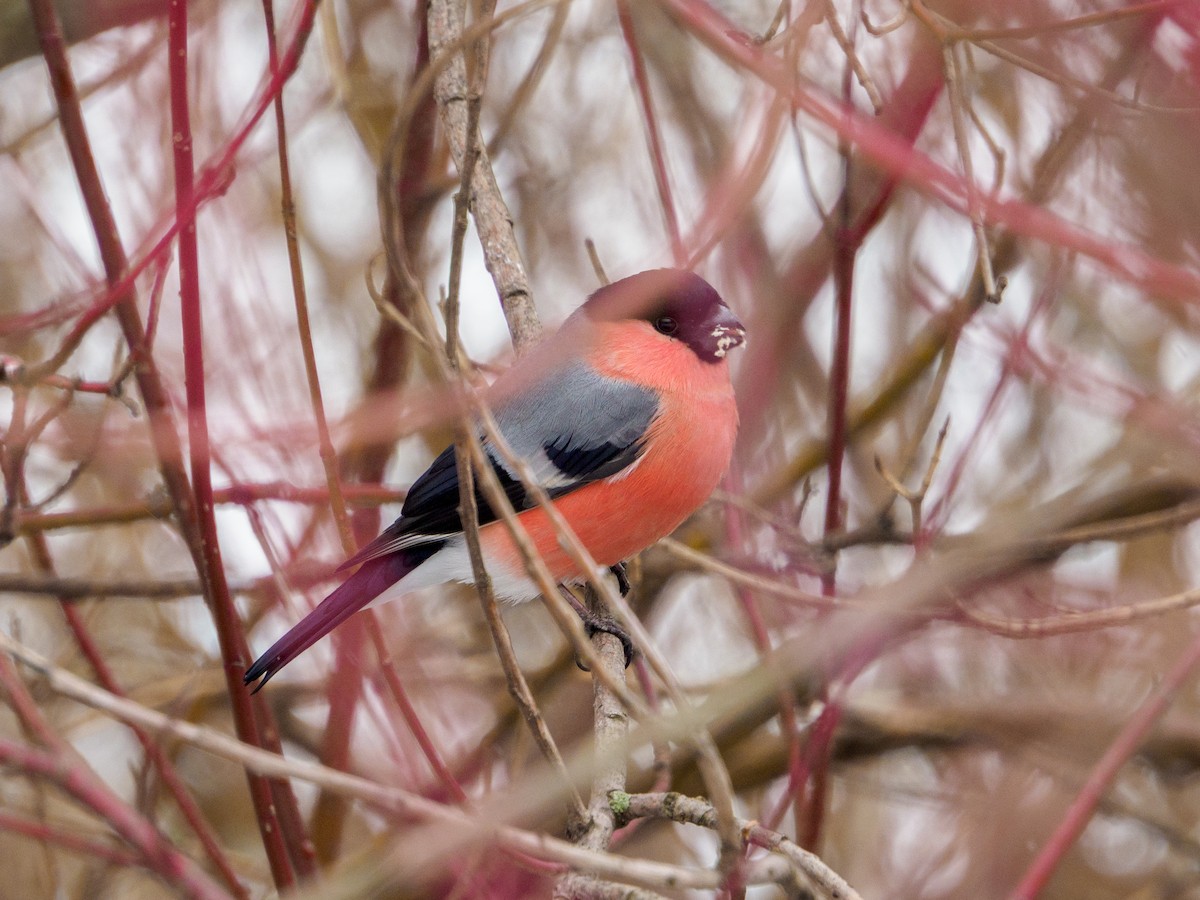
(461, 829)
(692, 811)
(493, 221)
(271, 805)
(1104, 774)
(285, 841)
(59, 762)
(459, 105)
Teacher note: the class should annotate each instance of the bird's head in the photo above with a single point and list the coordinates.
(677, 304)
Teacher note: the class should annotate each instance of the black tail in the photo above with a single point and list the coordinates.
(375, 577)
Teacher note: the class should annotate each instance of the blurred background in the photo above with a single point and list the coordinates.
(1006, 488)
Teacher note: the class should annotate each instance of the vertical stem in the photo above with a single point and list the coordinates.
(845, 252)
(844, 255)
(330, 811)
(493, 221)
(957, 103)
(658, 159)
(163, 431)
(284, 848)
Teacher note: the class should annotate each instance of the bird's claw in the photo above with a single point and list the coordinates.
(593, 623)
(622, 576)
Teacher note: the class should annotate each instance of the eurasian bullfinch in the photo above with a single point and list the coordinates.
(625, 416)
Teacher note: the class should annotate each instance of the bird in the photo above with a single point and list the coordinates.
(626, 416)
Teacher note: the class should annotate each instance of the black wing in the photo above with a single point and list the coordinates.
(574, 427)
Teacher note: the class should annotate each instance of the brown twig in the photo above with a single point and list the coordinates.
(1074, 623)
(463, 829)
(847, 47)
(692, 811)
(492, 218)
(329, 813)
(959, 103)
(916, 498)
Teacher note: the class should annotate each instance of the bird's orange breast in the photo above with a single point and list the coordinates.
(687, 451)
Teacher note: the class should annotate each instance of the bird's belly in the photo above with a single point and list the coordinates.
(619, 517)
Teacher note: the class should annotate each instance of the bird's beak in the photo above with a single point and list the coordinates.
(727, 332)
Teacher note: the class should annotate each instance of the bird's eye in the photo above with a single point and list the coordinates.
(666, 325)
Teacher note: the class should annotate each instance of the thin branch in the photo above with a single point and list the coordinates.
(1073, 623)
(959, 103)
(1088, 20)
(847, 47)
(328, 815)
(737, 576)
(163, 431)
(692, 811)
(59, 762)
(1104, 773)
(287, 846)
(158, 506)
(492, 218)
(662, 181)
(45, 833)
(466, 828)
(916, 498)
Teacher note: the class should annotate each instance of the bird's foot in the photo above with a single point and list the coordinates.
(593, 623)
(599, 622)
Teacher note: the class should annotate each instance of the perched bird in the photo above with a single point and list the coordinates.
(626, 417)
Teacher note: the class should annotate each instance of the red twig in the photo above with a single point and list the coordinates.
(174, 867)
(411, 719)
(163, 431)
(285, 847)
(844, 255)
(847, 240)
(44, 833)
(895, 155)
(154, 754)
(215, 174)
(1102, 776)
(653, 136)
(906, 112)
